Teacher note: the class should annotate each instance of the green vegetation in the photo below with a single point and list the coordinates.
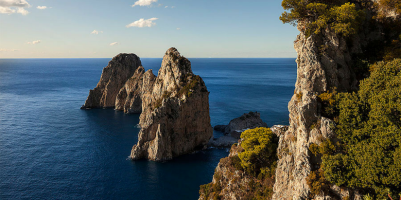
(317, 15)
(317, 183)
(189, 86)
(260, 151)
(328, 102)
(369, 154)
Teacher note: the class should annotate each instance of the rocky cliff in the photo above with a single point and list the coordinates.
(325, 62)
(175, 111)
(174, 106)
(113, 78)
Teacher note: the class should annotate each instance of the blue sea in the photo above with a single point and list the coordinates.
(50, 149)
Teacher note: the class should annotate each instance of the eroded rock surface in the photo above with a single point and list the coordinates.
(175, 116)
(113, 78)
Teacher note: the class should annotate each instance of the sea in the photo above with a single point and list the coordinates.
(50, 149)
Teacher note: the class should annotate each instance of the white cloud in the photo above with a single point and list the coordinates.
(165, 6)
(114, 43)
(14, 6)
(34, 42)
(144, 3)
(96, 32)
(172, 6)
(143, 23)
(41, 7)
(178, 28)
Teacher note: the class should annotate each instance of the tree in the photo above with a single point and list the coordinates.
(341, 16)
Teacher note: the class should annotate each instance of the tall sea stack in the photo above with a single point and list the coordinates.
(175, 116)
(174, 105)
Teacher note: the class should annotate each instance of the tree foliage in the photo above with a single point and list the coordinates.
(341, 16)
(260, 151)
(392, 5)
(369, 126)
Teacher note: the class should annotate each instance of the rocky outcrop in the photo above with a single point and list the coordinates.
(175, 110)
(231, 182)
(324, 62)
(113, 78)
(238, 125)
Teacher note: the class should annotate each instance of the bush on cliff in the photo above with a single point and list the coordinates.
(260, 151)
(369, 127)
(341, 16)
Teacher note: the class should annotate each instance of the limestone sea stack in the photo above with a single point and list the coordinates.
(113, 78)
(174, 105)
(175, 116)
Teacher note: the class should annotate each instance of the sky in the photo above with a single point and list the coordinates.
(104, 28)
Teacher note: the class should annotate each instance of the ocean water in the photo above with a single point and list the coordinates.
(50, 149)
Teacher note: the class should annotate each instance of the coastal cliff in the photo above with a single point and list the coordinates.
(331, 58)
(175, 116)
(113, 77)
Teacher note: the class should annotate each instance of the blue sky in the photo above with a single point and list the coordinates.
(104, 28)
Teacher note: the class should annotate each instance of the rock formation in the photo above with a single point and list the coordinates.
(238, 125)
(114, 76)
(129, 99)
(325, 61)
(319, 70)
(231, 182)
(174, 106)
(175, 111)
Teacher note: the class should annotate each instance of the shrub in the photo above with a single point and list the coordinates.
(328, 102)
(189, 86)
(260, 150)
(369, 128)
(317, 183)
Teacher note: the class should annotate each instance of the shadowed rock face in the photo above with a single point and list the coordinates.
(129, 99)
(113, 78)
(175, 116)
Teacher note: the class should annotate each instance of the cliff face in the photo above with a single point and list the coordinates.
(113, 78)
(129, 98)
(324, 62)
(175, 111)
